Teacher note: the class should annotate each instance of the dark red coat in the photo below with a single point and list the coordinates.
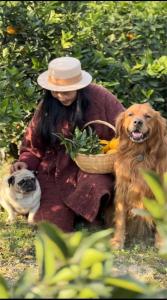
(66, 190)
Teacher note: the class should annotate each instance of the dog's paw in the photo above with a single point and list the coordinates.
(10, 221)
(117, 244)
(31, 222)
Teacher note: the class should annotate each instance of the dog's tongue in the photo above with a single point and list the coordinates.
(137, 135)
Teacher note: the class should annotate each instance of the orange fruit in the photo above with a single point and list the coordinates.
(11, 30)
(104, 142)
(130, 36)
(105, 148)
(114, 143)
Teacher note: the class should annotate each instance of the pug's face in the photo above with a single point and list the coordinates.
(23, 181)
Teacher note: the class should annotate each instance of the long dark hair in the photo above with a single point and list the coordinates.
(53, 112)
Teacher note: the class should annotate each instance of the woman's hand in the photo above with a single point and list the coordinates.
(18, 166)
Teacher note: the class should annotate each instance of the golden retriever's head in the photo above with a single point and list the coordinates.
(140, 122)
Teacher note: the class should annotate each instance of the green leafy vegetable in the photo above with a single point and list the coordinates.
(85, 142)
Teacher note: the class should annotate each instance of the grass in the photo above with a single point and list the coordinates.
(17, 250)
(142, 263)
(17, 253)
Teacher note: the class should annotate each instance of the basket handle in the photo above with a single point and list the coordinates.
(100, 122)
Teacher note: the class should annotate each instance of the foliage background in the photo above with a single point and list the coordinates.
(121, 43)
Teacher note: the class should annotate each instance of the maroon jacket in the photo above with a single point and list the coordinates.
(66, 190)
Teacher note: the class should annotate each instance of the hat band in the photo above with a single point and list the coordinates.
(67, 81)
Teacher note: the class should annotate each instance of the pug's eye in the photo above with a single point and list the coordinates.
(21, 182)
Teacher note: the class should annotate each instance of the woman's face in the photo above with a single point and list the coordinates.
(66, 98)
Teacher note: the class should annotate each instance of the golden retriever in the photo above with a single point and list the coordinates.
(143, 145)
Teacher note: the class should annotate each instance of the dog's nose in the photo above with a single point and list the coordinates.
(138, 122)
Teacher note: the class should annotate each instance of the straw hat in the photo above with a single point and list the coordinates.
(64, 74)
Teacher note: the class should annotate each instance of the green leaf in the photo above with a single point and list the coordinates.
(63, 275)
(96, 271)
(87, 293)
(128, 283)
(153, 181)
(88, 242)
(51, 250)
(5, 52)
(67, 293)
(75, 239)
(56, 236)
(165, 181)
(65, 39)
(103, 291)
(90, 257)
(24, 284)
(39, 246)
(155, 209)
(84, 135)
(4, 290)
(52, 257)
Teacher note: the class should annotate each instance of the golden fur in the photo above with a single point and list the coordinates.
(143, 145)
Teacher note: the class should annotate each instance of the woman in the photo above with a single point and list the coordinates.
(70, 100)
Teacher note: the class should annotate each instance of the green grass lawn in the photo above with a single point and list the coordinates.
(17, 252)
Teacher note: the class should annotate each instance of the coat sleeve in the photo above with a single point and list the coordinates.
(31, 150)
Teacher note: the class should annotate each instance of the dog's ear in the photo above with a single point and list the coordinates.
(119, 123)
(11, 180)
(35, 172)
(161, 126)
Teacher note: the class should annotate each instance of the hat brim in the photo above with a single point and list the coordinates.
(44, 83)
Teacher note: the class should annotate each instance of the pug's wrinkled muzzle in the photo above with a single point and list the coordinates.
(27, 185)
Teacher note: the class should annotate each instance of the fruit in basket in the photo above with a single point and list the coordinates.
(111, 146)
(114, 143)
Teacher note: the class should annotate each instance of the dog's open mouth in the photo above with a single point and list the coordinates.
(138, 136)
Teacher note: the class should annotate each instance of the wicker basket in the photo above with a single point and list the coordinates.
(96, 163)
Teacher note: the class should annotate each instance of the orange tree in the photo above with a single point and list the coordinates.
(122, 44)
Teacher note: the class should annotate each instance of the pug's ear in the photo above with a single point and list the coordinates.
(11, 180)
(35, 172)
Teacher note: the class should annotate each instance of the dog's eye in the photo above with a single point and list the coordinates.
(130, 114)
(21, 182)
(147, 116)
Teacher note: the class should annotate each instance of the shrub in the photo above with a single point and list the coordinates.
(121, 43)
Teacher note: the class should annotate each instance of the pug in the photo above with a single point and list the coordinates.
(20, 194)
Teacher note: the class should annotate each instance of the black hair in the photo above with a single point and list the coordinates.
(53, 112)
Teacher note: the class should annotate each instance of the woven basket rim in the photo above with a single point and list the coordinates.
(92, 155)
